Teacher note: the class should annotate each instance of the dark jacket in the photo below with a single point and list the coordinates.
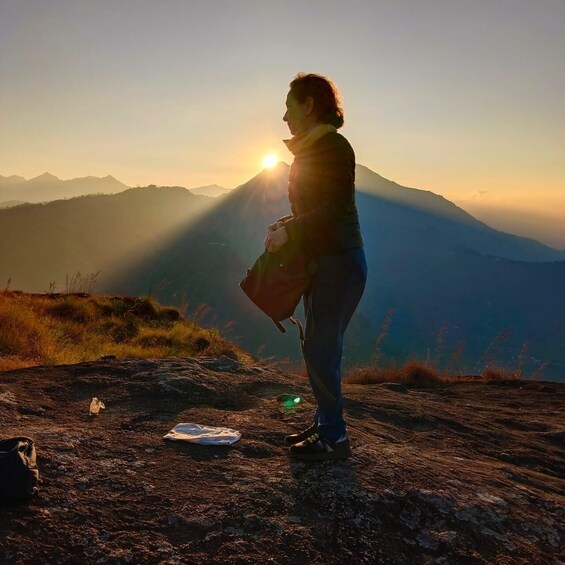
(321, 190)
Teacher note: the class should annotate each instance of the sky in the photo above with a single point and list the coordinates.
(463, 98)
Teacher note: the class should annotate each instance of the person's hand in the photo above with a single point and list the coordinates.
(276, 238)
(275, 226)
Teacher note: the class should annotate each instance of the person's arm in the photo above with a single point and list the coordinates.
(335, 174)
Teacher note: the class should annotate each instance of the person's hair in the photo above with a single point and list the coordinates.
(327, 101)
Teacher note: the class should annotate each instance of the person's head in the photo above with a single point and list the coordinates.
(312, 99)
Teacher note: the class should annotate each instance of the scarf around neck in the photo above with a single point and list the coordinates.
(299, 143)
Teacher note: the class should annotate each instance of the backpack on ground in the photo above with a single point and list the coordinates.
(19, 474)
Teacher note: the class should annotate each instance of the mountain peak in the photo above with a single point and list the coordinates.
(211, 190)
(45, 177)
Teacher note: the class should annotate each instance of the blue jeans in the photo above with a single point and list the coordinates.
(329, 305)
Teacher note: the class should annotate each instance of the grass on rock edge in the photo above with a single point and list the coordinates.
(60, 329)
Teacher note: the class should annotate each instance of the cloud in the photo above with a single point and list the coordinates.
(479, 194)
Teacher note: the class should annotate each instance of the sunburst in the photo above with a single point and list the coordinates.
(269, 161)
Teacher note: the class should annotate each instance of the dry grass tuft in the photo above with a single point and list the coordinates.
(498, 374)
(70, 328)
(412, 374)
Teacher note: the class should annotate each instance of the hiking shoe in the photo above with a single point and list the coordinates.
(318, 448)
(297, 438)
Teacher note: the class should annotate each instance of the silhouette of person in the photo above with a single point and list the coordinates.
(325, 222)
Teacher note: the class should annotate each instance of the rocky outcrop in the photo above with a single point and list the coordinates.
(462, 473)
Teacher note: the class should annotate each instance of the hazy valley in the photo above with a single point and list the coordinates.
(455, 291)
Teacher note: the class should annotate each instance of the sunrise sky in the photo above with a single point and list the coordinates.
(464, 98)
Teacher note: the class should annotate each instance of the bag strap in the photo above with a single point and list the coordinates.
(281, 328)
(298, 324)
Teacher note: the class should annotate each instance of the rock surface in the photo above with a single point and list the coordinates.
(462, 473)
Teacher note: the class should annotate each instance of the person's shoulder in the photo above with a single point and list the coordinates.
(334, 142)
(334, 139)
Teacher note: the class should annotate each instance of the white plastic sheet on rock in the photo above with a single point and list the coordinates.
(206, 435)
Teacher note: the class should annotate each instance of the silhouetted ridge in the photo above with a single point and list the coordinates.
(430, 261)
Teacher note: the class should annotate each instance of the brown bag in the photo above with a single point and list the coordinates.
(277, 281)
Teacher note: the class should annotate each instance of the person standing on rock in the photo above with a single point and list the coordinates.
(325, 222)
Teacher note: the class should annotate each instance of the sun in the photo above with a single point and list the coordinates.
(269, 161)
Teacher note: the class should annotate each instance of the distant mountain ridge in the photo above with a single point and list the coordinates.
(10, 181)
(466, 230)
(549, 228)
(431, 262)
(212, 190)
(48, 187)
(43, 243)
(45, 178)
(11, 203)
(453, 282)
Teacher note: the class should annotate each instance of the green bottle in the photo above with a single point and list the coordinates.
(289, 400)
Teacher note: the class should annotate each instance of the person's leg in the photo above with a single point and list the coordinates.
(329, 306)
(297, 437)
